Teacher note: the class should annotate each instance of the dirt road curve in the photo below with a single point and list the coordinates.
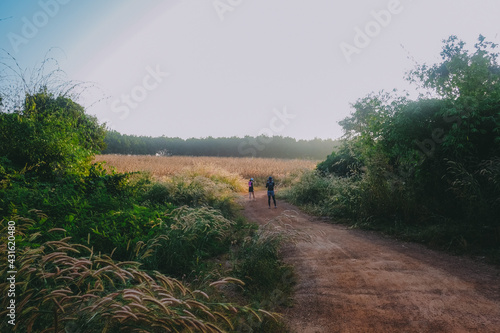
(358, 281)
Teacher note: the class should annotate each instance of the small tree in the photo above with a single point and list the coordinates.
(43, 131)
(444, 149)
(50, 135)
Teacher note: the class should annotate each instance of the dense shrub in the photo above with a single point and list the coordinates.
(424, 169)
(50, 136)
(345, 162)
(326, 195)
(190, 236)
(70, 287)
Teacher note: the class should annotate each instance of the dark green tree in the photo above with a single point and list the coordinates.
(440, 152)
(51, 135)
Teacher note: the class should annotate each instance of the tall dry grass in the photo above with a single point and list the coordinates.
(245, 167)
(67, 287)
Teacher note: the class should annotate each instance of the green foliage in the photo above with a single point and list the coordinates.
(50, 136)
(198, 187)
(190, 236)
(414, 166)
(259, 265)
(120, 225)
(268, 281)
(470, 77)
(326, 195)
(66, 286)
(117, 215)
(109, 213)
(343, 163)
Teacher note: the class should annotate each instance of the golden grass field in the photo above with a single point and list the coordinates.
(245, 167)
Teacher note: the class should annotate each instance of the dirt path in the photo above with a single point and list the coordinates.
(358, 281)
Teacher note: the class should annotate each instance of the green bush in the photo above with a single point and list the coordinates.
(67, 286)
(345, 162)
(190, 236)
(51, 136)
(326, 195)
(410, 167)
(259, 265)
(198, 188)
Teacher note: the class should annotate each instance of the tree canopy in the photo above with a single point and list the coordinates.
(441, 150)
(49, 135)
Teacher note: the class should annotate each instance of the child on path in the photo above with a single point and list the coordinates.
(250, 189)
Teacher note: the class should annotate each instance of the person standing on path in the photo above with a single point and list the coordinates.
(270, 192)
(250, 189)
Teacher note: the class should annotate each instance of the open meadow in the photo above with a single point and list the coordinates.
(246, 167)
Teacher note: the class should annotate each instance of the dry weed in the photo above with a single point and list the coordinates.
(67, 287)
(244, 167)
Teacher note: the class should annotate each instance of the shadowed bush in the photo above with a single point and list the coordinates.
(191, 236)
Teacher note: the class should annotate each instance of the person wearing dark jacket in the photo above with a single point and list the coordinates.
(270, 192)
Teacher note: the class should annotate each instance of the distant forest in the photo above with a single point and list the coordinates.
(261, 146)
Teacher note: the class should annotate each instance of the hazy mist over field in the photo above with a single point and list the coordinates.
(233, 67)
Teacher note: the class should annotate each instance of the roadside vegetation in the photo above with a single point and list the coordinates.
(99, 250)
(425, 170)
(243, 168)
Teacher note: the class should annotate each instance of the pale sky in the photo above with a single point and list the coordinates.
(199, 68)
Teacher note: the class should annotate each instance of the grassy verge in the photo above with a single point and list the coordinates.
(113, 252)
(268, 281)
(364, 203)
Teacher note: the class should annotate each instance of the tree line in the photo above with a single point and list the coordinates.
(261, 146)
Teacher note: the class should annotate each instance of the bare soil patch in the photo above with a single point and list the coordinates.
(359, 281)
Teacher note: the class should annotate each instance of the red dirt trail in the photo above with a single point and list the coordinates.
(358, 281)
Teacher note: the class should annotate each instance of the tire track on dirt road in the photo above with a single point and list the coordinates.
(359, 281)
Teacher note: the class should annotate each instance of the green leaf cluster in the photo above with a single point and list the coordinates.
(433, 161)
(51, 136)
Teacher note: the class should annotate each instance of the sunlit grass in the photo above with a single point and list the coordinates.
(244, 167)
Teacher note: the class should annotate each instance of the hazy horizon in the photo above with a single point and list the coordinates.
(224, 68)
